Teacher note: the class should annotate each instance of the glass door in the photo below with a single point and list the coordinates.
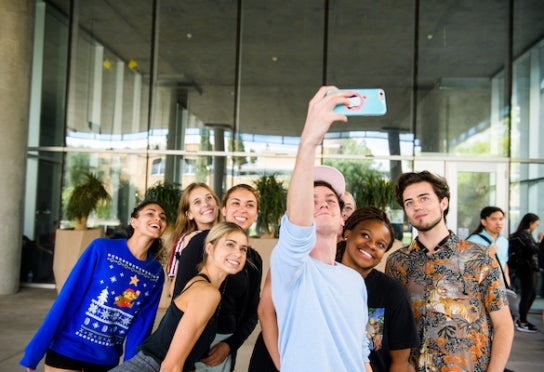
(473, 185)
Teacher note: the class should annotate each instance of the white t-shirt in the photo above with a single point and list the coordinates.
(321, 309)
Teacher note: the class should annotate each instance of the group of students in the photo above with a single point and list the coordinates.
(440, 304)
(107, 307)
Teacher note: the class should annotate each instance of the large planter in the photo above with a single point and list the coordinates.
(69, 244)
(264, 246)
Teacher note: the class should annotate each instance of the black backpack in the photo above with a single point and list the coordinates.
(522, 254)
(515, 252)
(541, 254)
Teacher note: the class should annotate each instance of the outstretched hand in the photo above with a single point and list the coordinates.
(321, 115)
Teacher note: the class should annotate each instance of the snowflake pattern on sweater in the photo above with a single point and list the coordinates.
(109, 300)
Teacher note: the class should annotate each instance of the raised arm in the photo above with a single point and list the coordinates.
(318, 121)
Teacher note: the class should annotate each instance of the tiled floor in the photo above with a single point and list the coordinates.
(22, 313)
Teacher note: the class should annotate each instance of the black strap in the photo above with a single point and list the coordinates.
(485, 238)
(196, 281)
(496, 257)
(202, 275)
(502, 271)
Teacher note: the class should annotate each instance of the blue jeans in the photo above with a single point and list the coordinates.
(138, 363)
(222, 367)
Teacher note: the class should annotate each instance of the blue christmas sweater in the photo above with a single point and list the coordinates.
(109, 297)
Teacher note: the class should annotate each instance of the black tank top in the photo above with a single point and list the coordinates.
(157, 344)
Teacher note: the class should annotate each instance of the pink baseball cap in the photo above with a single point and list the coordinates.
(332, 176)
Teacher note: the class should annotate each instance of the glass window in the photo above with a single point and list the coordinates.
(218, 94)
(459, 102)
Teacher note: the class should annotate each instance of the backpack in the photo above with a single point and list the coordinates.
(515, 250)
(541, 254)
(522, 255)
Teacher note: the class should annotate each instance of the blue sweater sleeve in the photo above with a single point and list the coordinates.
(61, 310)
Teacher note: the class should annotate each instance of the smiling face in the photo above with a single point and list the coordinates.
(240, 208)
(203, 208)
(422, 207)
(150, 221)
(366, 244)
(327, 214)
(229, 252)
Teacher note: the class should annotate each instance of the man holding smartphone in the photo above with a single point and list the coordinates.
(320, 305)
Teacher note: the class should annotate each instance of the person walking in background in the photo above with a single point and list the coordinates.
(320, 305)
(237, 316)
(523, 261)
(456, 290)
(109, 300)
(198, 210)
(488, 234)
(368, 234)
(541, 264)
(188, 327)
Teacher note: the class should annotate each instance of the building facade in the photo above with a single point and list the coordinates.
(217, 91)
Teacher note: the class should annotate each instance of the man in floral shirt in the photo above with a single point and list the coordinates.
(457, 296)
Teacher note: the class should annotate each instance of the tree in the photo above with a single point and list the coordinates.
(367, 184)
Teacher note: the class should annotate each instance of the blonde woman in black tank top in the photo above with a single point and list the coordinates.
(188, 326)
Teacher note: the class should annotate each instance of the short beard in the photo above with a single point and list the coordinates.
(429, 226)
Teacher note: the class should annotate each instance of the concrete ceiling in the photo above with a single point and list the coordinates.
(281, 57)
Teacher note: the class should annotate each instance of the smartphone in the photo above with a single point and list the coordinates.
(364, 102)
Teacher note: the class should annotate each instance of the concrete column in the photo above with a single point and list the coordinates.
(16, 23)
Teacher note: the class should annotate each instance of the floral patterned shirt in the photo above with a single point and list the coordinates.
(452, 293)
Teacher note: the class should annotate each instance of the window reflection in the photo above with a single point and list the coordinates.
(448, 94)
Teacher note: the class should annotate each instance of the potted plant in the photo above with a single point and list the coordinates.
(168, 195)
(84, 199)
(372, 189)
(70, 243)
(273, 198)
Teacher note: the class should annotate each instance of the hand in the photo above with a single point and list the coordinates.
(217, 354)
(320, 113)
(492, 250)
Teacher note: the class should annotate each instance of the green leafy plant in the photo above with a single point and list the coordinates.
(374, 190)
(168, 195)
(363, 178)
(273, 199)
(84, 199)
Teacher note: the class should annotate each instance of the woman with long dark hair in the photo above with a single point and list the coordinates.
(108, 304)
(523, 261)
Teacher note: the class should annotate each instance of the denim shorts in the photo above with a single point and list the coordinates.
(138, 363)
